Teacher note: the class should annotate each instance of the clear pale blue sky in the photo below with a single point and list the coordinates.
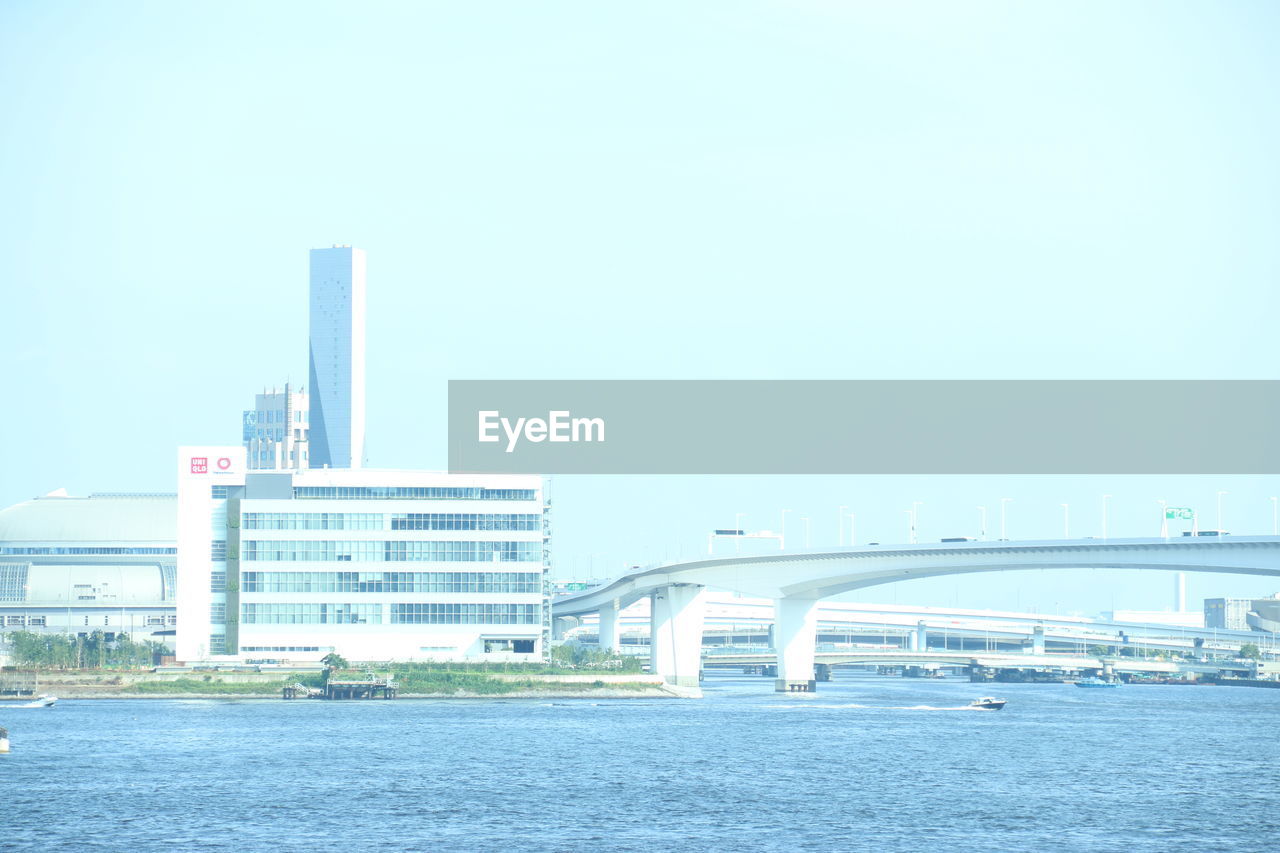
(660, 190)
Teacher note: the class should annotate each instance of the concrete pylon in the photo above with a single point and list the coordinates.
(562, 624)
(922, 637)
(795, 637)
(608, 641)
(1037, 640)
(675, 633)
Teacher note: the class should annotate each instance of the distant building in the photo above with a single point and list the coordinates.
(76, 565)
(276, 430)
(1229, 613)
(337, 357)
(1171, 618)
(374, 565)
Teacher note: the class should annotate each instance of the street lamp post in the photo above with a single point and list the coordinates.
(1105, 498)
(915, 519)
(1003, 501)
(1164, 518)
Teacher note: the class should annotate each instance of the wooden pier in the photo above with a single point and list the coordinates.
(368, 689)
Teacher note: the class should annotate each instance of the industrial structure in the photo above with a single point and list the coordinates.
(76, 565)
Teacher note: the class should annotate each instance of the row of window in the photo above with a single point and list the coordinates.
(391, 582)
(401, 614)
(413, 493)
(399, 521)
(218, 550)
(465, 614)
(43, 549)
(313, 521)
(311, 614)
(40, 621)
(465, 521)
(390, 551)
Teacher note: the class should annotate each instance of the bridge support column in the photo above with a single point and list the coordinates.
(608, 641)
(1037, 639)
(795, 638)
(561, 624)
(922, 637)
(675, 633)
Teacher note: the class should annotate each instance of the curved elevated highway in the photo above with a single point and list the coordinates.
(797, 580)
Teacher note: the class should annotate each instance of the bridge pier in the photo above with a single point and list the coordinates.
(675, 633)
(1037, 640)
(608, 641)
(921, 643)
(562, 624)
(795, 638)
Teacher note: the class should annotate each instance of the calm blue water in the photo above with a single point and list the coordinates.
(853, 767)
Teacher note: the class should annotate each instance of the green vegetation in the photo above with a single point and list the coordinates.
(207, 685)
(1251, 651)
(1099, 651)
(95, 651)
(333, 660)
(571, 656)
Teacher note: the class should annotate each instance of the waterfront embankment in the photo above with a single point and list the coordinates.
(414, 683)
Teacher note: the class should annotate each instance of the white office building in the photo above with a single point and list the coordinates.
(337, 344)
(374, 565)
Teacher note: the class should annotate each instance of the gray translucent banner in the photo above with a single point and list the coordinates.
(864, 427)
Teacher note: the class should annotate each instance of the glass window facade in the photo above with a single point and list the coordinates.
(266, 550)
(311, 614)
(13, 581)
(314, 521)
(412, 493)
(465, 521)
(75, 550)
(436, 582)
(464, 614)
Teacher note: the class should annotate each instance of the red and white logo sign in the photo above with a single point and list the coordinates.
(223, 463)
(199, 464)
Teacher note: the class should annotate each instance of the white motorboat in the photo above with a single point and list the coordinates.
(988, 703)
(45, 701)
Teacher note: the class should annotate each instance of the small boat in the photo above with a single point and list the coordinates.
(4, 740)
(1096, 682)
(41, 702)
(988, 703)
